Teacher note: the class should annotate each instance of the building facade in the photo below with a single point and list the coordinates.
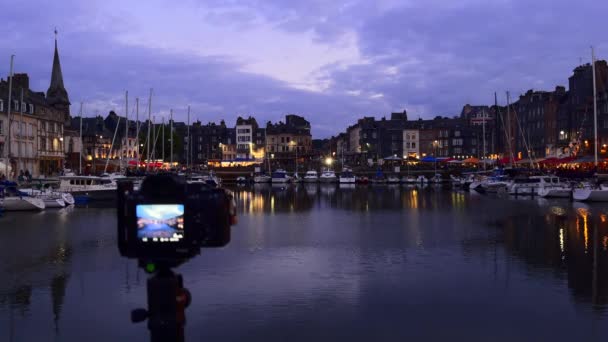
(286, 139)
(36, 140)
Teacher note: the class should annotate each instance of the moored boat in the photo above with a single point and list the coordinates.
(347, 177)
(591, 194)
(280, 176)
(328, 176)
(311, 176)
(552, 187)
(262, 178)
(85, 189)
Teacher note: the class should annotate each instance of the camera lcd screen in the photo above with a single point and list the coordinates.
(160, 222)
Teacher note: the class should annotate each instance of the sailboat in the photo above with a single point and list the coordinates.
(15, 200)
(261, 177)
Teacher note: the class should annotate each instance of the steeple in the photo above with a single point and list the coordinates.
(56, 95)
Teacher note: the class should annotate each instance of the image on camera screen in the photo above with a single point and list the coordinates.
(160, 222)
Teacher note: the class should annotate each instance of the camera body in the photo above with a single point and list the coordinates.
(168, 220)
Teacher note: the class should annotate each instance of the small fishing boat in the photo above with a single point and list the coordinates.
(328, 176)
(311, 176)
(347, 177)
(262, 178)
(552, 187)
(280, 176)
(392, 179)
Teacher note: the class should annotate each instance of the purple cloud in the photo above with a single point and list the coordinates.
(330, 61)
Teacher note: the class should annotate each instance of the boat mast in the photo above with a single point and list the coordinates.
(509, 129)
(80, 149)
(163, 137)
(126, 129)
(594, 104)
(8, 115)
(188, 151)
(21, 133)
(171, 135)
(149, 127)
(112, 146)
(483, 128)
(137, 130)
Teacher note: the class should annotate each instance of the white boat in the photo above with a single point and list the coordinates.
(241, 179)
(525, 186)
(421, 180)
(280, 176)
(51, 199)
(88, 188)
(23, 203)
(591, 194)
(393, 180)
(328, 176)
(436, 179)
(347, 177)
(409, 180)
(552, 187)
(261, 178)
(15, 200)
(208, 178)
(456, 181)
(311, 176)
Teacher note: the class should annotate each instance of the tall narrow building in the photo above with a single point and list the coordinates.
(56, 95)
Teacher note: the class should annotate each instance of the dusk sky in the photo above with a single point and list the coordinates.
(330, 61)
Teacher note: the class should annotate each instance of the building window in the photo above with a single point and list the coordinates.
(15, 105)
(43, 143)
(456, 133)
(1, 128)
(31, 108)
(413, 145)
(23, 107)
(1, 106)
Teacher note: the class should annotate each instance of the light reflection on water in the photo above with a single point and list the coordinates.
(327, 262)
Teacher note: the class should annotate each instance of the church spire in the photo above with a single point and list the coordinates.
(56, 94)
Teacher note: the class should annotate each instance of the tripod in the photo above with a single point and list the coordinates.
(167, 301)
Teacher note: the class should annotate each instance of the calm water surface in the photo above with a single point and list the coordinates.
(313, 263)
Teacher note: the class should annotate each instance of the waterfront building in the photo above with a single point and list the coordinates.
(37, 123)
(285, 139)
(411, 143)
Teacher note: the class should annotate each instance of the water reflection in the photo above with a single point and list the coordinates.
(548, 234)
(328, 257)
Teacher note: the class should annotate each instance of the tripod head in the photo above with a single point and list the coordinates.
(167, 301)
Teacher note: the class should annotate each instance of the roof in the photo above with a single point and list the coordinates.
(56, 94)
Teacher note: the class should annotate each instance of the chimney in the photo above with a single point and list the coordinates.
(21, 81)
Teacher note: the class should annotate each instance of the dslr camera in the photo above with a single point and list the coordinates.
(168, 220)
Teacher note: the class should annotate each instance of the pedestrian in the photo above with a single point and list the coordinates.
(21, 177)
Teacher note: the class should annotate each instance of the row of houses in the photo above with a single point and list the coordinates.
(34, 141)
(537, 124)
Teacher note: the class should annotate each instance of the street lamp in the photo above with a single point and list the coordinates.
(328, 161)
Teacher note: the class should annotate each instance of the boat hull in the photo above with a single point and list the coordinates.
(86, 196)
(262, 179)
(311, 180)
(54, 203)
(554, 193)
(328, 179)
(23, 204)
(590, 195)
(347, 180)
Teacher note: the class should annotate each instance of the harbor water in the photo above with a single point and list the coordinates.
(327, 263)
